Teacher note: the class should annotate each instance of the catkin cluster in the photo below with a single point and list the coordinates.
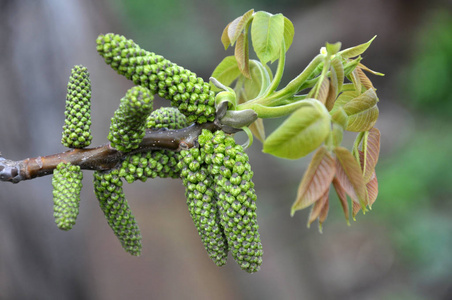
(202, 204)
(67, 184)
(128, 125)
(222, 200)
(76, 128)
(189, 93)
(166, 117)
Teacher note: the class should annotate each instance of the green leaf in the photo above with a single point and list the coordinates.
(332, 49)
(305, 130)
(259, 81)
(241, 54)
(236, 27)
(362, 111)
(289, 32)
(316, 180)
(226, 72)
(225, 37)
(350, 177)
(267, 33)
(258, 129)
(357, 50)
(371, 152)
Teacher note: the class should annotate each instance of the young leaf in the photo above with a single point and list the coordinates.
(349, 175)
(338, 69)
(225, 37)
(344, 98)
(226, 72)
(332, 49)
(237, 27)
(258, 129)
(357, 50)
(241, 55)
(364, 68)
(332, 92)
(323, 214)
(362, 111)
(365, 81)
(316, 180)
(324, 90)
(355, 79)
(302, 132)
(372, 189)
(318, 207)
(342, 198)
(355, 209)
(371, 151)
(267, 33)
(289, 32)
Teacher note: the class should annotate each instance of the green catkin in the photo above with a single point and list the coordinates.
(202, 204)
(231, 171)
(128, 125)
(109, 192)
(189, 93)
(76, 128)
(67, 184)
(166, 117)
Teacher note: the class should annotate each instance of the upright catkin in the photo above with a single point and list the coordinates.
(77, 122)
(188, 92)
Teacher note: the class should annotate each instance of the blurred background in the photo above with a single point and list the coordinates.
(400, 250)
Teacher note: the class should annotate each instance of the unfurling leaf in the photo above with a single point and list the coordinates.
(238, 26)
(316, 180)
(319, 207)
(332, 49)
(371, 151)
(267, 33)
(241, 55)
(225, 37)
(305, 130)
(349, 175)
(342, 198)
(362, 111)
(357, 50)
(355, 79)
(226, 72)
(332, 94)
(364, 68)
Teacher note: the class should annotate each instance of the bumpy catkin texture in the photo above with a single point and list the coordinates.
(128, 125)
(67, 183)
(166, 117)
(202, 204)
(108, 189)
(230, 168)
(151, 164)
(76, 128)
(189, 93)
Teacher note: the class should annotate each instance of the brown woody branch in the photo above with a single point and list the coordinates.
(103, 157)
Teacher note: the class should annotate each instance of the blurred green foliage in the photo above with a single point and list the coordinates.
(427, 79)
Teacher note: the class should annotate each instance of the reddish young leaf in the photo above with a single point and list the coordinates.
(242, 55)
(355, 209)
(316, 179)
(237, 26)
(318, 206)
(372, 189)
(371, 151)
(342, 198)
(349, 175)
(258, 129)
(324, 214)
(323, 91)
(365, 81)
(331, 97)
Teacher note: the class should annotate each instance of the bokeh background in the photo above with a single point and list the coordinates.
(402, 249)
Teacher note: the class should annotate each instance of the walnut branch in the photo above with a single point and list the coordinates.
(103, 157)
